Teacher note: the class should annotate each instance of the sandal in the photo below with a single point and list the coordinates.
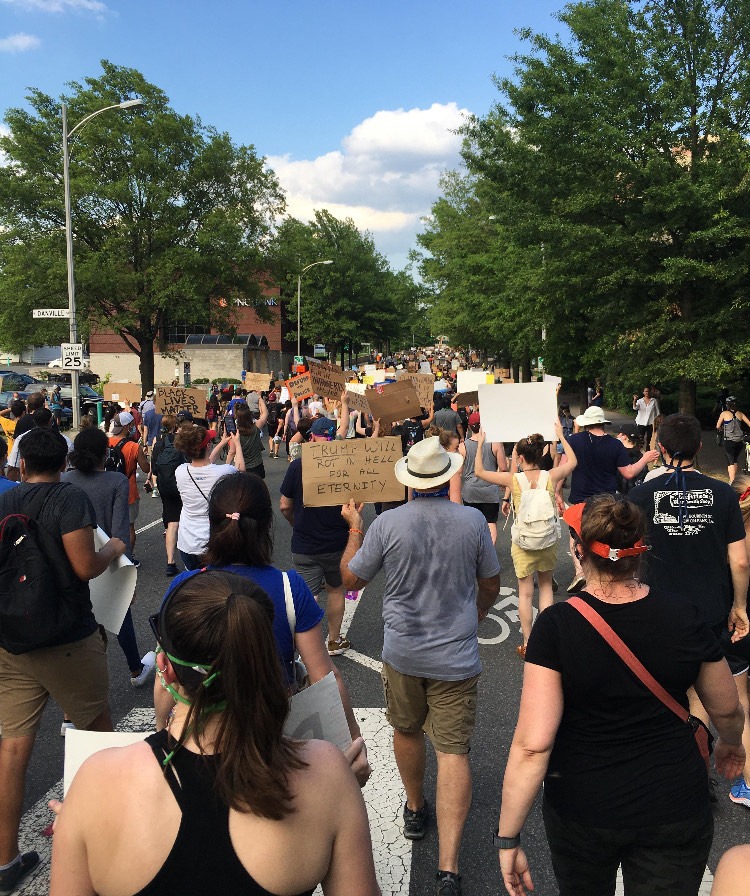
(521, 651)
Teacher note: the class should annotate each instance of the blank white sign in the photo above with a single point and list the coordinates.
(468, 380)
(512, 411)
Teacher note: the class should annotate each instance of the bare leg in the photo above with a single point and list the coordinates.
(103, 722)
(742, 683)
(132, 538)
(452, 806)
(335, 611)
(15, 753)
(732, 470)
(493, 531)
(171, 541)
(546, 597)
(525, 614)
(410, 753)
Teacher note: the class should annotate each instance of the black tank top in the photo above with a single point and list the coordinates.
(202, 859)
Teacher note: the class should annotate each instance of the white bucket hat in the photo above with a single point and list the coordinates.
(593, 416)
(427, 465)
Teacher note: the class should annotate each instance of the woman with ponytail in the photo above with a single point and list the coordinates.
(240, 518)
(241, 808)
(108, 492)
(624, 780)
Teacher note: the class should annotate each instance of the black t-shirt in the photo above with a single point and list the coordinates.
(624, 486)
(598, 459)
(690, 558)
(621, 758)
(65, 509)
(317, 530)
(412, 432)
(24, 424)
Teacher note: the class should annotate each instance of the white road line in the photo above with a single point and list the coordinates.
(382, 797)
(149, 526)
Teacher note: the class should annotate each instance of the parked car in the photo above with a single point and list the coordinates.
(88, 398)
(15, 381)
(57, 362)
(6, 399)
(84, 376)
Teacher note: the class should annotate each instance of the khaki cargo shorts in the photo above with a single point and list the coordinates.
(75, 674)
(444, 710)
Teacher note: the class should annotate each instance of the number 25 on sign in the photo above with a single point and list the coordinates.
(72, 355)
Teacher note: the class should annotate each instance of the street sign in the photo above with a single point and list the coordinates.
(72, 355)
(299, 359)
(319, 351)
(51, 312)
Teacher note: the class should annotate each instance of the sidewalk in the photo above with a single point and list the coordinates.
(710, 459)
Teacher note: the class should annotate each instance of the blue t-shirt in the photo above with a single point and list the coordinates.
(317, 530)
(598, 460)
(308, 613)
(5, 484)
(429, 600)
(152, 420)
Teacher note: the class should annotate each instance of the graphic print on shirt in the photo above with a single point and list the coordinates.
(695, 517)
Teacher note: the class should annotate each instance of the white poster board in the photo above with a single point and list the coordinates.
(112, 591)
(424, 367)
(557, 380)
(512, 411)
(469, 380)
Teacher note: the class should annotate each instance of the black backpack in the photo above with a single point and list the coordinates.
(165, 466)
(40, 595)
(115, 462)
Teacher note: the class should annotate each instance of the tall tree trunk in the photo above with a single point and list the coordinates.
(527, 369)
(147, 365)
(514, 370)
(342, 356)
(583, 395)
(687, 397)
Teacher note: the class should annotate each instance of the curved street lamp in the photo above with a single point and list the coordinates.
(66, 135)
(299, 287)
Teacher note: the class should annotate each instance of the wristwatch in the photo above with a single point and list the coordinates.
(506, 842)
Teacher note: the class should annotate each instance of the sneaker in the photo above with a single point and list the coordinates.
(147, 667)
(12, 877)
(136, 563)
(336, 648)
(447, 884)
(739, 792)
(67, 725)
(172, 569)
(351, 595)
(577, 583)
(415, 822)
(155, 493)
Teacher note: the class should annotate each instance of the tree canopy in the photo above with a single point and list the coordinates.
(169, 217)
(616, 172)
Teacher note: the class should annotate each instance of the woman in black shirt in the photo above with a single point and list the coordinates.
(624, 782)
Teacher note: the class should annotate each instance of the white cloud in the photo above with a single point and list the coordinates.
(58, 5)
(18, 43)
(384, 177)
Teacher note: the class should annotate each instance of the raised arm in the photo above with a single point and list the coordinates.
(560, 472)
(505, 479)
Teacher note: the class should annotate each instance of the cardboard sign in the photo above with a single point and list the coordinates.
(513, 411)
(424, 383)
(463, 399)
(327, 380)
(424, 367)
(172, 399)
(363, 469)
(393, 401)
(124, 393)
(357, 398)
(503, 372)
(469, 380)
(257, 382)
(299, 387)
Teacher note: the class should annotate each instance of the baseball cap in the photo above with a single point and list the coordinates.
(120, 421)
(323, 426)
(474, 418)
(628, 429)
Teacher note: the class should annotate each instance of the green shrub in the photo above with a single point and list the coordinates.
(224, 379)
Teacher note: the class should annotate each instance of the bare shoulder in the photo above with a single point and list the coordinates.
(110, 769)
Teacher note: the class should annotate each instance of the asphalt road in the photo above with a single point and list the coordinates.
(402, 869)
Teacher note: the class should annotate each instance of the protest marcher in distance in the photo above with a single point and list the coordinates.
(431, 611)
(74, 668)
(241, 808)
(624, 781)
(526, 559)
(730, 425)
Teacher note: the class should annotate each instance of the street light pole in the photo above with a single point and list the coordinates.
(66, 135)
(299, 292)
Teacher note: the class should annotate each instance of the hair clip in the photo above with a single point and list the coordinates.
(232, 516)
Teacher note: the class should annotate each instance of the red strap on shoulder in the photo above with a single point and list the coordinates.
(627, 656)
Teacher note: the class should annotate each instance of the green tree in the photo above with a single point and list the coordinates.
(169, 218)
(616, 168)
(351, 301)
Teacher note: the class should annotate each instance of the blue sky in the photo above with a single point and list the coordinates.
(352, 103)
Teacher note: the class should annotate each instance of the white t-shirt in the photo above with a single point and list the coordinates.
(192, 536)
(14, 459)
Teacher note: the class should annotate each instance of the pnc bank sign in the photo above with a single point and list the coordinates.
(243, 303)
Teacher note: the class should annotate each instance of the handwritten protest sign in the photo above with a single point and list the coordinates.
(503, 372)
(327, 380)
(334, 472)
(257, 382)
(124, 393)
(357, 397)
(393, 401)
(300, 386)
(463, 399)
(424, 383)
(172, 399)
(515, 410)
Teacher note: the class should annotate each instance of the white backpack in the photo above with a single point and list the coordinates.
(536, 525)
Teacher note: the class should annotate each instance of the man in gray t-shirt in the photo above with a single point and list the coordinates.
(431, 609)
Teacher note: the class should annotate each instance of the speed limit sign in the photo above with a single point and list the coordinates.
(72, 355)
